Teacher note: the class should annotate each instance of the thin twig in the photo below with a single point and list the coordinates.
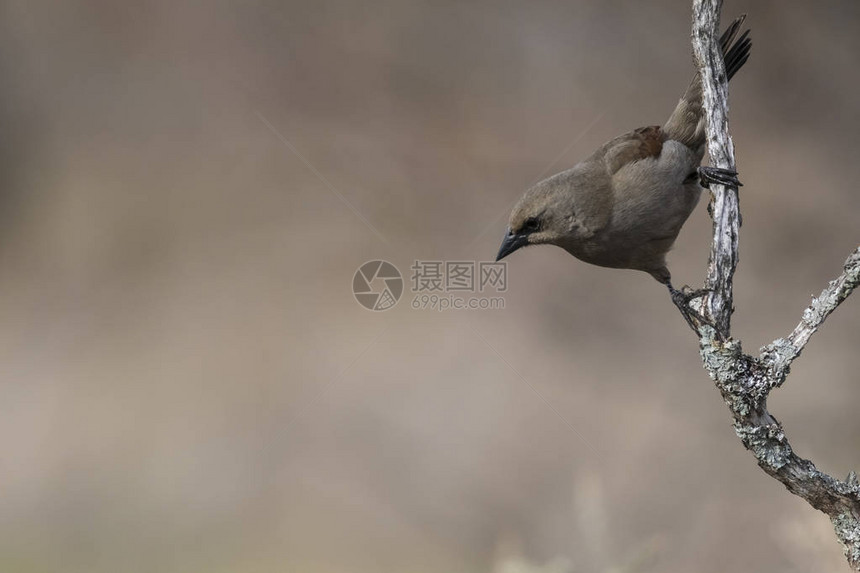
(779, 354)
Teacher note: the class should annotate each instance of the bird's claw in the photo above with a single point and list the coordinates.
(727, 177)
(686, 294)
(682, 299)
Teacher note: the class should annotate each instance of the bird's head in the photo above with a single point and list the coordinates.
(544, 215)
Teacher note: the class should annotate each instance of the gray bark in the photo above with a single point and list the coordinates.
(745, 381)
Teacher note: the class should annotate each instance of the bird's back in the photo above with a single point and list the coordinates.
(646, 177)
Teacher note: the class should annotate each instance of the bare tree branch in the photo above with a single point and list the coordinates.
(745, 381)
(779, 354)
(724, 201)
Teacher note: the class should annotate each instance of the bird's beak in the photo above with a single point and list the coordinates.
(511, 243)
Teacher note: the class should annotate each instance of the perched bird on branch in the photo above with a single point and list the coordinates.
(624, 206)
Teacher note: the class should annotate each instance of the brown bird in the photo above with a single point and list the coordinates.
(624, 206)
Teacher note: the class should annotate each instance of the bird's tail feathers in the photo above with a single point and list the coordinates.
(735, 53)
(686, 123)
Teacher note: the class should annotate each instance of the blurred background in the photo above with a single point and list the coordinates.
(189, 385)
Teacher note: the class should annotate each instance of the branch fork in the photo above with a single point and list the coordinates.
(745, 381)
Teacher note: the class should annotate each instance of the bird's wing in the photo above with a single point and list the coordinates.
(636, 145)
(592, 181)
(595, 191)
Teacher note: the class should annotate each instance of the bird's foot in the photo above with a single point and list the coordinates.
(727, 177)
(682, 299)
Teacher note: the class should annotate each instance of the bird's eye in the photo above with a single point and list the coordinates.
(531, 224)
